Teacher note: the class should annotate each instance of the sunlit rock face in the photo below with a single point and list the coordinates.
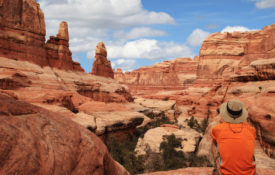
(37, 141)
(154, 137)
(22, 31)
(102, 66)
(58, 52)
(168, 75)
(225, 53)
(22, 36)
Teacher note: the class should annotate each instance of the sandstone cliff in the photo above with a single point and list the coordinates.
(22, 31)
(102, 66)
(223, 53)
(169, 75)
(22, 36)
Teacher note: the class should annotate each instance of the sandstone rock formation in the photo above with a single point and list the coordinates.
(153, 138)
(169, 75)
(118, 124)
(237, 65)
(22, 31)
(22, 36)
(58, 52)
(37, 141)
(102, 66)
(73, 94)
(227, 52)
(157, 107)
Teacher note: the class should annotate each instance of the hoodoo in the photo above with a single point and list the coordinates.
(102, 66)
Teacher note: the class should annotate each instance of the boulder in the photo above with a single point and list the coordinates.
(153, 138)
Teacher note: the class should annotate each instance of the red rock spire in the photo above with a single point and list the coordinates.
(102, 66)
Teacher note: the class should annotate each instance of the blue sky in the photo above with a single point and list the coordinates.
(143, 32)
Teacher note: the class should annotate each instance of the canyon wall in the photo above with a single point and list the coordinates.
(238, 65)
(222, 54)
(169, 75)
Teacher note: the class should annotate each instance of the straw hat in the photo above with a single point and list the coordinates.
(233, 111)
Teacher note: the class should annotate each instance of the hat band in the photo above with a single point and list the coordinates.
(234, 113)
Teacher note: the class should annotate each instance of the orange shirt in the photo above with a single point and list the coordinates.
(236, 147)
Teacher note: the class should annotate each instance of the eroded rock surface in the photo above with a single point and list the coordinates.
(22, 36)
(37, 141)
(58, 52)
(169, 75)
(153, 138)
(102, 66)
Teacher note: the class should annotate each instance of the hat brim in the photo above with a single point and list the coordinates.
(227, 117)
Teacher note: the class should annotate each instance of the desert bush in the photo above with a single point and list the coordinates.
(194, 124)
(124, 154)
(172, 159)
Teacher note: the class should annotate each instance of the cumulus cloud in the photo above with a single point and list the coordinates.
(125, 64)
(101, 14)
(265, 3)
(146, 49)
(138, 33)
(197, 36)
(149, 49)
(231, 29)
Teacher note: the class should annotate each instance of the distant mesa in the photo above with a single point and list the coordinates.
(102, 66)
(22, 37)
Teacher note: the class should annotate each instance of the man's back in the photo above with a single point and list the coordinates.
(236, 147)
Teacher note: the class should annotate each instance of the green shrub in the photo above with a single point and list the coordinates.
(193, 123)
(172, 159)
(125, 155)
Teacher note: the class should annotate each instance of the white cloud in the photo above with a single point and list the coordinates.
(92, 21)
(265, 3)
(148, 49)
(124, 64)
(231, 29)
(197, 36)
(101, 14)
(138, 33)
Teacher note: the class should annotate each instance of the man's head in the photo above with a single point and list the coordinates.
(233, 111)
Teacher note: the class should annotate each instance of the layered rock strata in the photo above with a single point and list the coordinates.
(22, 31)
(22, 36)
(102, 66)
(58, 52)
(73, 94)
(226, 52)
(169, 75)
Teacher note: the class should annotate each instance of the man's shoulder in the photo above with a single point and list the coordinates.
(250, 128)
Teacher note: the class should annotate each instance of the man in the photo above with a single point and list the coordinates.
(235, 140)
